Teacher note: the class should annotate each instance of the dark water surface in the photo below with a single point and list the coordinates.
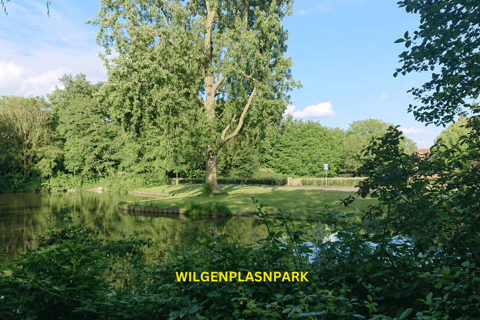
(23, 220)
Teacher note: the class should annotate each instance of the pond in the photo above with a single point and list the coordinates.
(23, 221)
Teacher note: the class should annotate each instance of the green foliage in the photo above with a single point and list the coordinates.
(207, 188)
(436, 219)
(263, 173)
(357, 137)
(209, 208)
(453, 137)
(173, 55)
(70, 273)
(447, 40)
(254, 181)
(17, 182)
(302, 148)
(28, 145)
(91, 139)
(335, 182)
(90, 149)
(369, 128)
(369, 273)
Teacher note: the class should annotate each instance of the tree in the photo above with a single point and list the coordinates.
(199, 71)
(373, 128)
(451, 137)
(91, 140)
(28, 145)
(352, 146)
(368, 128)
(434, 204)
(448, 39)
(303, 148)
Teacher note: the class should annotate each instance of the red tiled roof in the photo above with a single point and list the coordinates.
(423, 151)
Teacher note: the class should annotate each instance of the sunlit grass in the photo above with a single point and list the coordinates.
(302, 203)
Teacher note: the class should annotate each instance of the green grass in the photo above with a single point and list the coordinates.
(238, 199)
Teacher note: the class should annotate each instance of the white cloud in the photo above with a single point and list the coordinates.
(424, 144)
(37, 50)
(11, 74)
(303, 12)
(321, 110)
(414, 132)
(39, 73)
(383, 96)
(329, 5)
(41, 84)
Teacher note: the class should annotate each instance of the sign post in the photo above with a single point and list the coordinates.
(325, 167)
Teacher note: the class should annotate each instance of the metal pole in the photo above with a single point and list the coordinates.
(326, 178)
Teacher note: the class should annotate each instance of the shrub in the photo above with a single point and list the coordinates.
(207, 188)
(209, 208)
(254, 181)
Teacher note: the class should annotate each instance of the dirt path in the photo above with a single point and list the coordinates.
(298, 188)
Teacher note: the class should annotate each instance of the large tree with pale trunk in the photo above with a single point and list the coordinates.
(199, 70)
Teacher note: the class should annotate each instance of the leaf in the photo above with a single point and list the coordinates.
(406, 35)
(429, 297)
(466, 264)
(194, 309)
(408, 43)
(399, 40)
(474, 296)
(405, 314)
(417, 186)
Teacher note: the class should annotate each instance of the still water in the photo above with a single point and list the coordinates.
(23, 221)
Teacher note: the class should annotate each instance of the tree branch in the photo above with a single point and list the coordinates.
(224, 132)
(197, 96)
(246, 75)
(218, 83)
(240, 123)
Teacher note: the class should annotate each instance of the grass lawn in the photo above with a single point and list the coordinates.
(302, 203)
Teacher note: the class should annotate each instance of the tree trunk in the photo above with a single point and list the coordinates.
(209, 103)
(211, 169)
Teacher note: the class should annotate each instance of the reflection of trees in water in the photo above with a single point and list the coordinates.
(22, 221)
(19, 225)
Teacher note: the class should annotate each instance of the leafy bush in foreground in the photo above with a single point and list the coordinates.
(369, 274)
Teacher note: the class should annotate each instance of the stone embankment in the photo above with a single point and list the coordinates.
(178, 213)
(142, 209)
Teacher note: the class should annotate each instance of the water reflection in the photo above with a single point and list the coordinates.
(23, 220)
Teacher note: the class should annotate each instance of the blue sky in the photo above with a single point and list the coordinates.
(343, 53)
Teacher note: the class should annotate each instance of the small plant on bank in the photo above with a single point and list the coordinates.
(207, 188)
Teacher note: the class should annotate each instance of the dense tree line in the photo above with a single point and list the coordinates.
(72, 139)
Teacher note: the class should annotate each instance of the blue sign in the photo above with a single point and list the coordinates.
(325, 167)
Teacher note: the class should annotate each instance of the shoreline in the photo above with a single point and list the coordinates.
(179, 213)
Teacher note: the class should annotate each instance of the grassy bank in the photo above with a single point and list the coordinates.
(238, 199)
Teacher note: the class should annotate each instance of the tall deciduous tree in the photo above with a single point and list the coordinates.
(27, 142)
(91, 140)
(374, 128)
(199, 71)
